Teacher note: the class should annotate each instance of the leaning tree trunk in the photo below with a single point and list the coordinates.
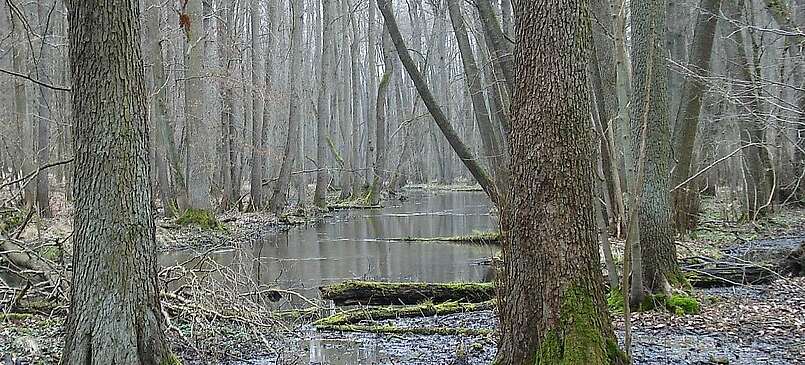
(279, 196)
(552, 308)
(497, 160)
(115, 315)
(649, 109)
(686, 198)
(464, 154)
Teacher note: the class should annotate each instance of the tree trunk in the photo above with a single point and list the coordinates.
(177, 198)
(381, 155)
(258, 107)
(500, 46)
(497, 160)
(43, 111)
(758, 189)
(685, 199)
(649, 108)
(439, 118)
(279, 196)
(25, 148)
(323, 106)
(552, 308)
(196, 126)
(115, 315)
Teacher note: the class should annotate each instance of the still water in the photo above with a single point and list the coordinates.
(359, 244)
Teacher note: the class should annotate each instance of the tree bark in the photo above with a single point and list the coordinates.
(552, 308)
(279, 196)
(649, 107)
(381, 154)
(196, 127)
(323, 113)
(259, 95)
(685, 200)
(115, 315)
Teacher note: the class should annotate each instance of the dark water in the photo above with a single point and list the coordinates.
(354, 244)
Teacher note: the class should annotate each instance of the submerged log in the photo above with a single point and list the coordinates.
(355, 292)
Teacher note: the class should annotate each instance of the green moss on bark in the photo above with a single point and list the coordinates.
(576, 338)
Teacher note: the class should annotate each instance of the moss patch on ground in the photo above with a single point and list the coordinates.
(201, 218)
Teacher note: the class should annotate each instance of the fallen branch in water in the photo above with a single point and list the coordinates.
(388, 329)
(354, 292)
(358, 315)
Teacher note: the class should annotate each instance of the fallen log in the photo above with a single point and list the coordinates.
(388, 329)
(358, 315)
(356, 292)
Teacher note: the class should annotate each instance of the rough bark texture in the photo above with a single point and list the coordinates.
(649, 107)
(115, 315)
(439, 117)
(552, 309)
(685, 199)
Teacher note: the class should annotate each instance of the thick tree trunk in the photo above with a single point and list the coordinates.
(323, 112)
(649, 108)
(439, 118)
(279, 196)
(685, 199)
(115, 315)
(552, 308)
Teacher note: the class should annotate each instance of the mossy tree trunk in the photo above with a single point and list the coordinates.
(115, 315)
(551, 302)
(655, 255)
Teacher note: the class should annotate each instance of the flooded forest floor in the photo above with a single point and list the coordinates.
(261, 312)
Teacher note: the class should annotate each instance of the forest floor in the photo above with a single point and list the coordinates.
(757, 324)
